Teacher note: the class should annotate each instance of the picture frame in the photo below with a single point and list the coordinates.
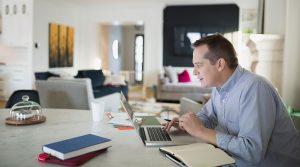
(61, 45)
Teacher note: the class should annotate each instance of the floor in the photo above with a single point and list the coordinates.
(140, 93)
(2, 103)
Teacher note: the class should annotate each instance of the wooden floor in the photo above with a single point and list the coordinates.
(140, 93)
(2, 103)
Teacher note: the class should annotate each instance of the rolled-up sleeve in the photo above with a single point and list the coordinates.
(256, 121)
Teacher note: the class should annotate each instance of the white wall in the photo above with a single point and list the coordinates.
(129, 32)
(151, 14)
(274, 22)
(0, 20)
(291, 68)
(53, 11)
(115, 65)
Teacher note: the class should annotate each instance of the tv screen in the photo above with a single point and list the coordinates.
(184, 37)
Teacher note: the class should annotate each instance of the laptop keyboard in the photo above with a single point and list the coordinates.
(158, 134)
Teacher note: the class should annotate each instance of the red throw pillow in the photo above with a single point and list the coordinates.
(184, 77)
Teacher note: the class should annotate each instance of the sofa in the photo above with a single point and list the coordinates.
(171, 88)
(44, 75)
(101, 85)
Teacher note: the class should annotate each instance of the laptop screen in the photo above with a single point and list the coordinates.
(126, 106)
(128, 109)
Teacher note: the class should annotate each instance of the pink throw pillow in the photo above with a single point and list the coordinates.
(184, 77)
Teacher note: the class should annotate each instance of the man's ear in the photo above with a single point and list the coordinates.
(221, 63)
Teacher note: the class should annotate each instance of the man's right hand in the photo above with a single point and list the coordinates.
(173, 122)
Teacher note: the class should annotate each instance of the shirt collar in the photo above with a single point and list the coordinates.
(232, 80)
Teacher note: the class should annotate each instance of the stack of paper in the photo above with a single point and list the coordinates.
(121, 119)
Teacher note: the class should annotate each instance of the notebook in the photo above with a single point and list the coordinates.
(155, 135)
(197, 154)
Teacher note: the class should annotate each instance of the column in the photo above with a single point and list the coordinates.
(267, 59)
(291, 79)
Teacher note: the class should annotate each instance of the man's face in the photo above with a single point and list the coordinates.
(206, 72)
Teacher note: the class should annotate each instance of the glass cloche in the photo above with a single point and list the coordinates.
(26, 110)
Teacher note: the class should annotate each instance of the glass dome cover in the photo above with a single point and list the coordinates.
(25, 110)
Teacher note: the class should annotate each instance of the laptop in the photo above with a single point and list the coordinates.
(156, 135)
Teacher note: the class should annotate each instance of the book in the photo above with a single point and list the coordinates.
(76, 146)
(197, 154)
(75, 161)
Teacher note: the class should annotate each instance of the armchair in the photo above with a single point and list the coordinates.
(61, 93)
(97, 81)
(72, 94)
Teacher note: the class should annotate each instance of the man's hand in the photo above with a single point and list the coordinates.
(192, 124)
(173, 122)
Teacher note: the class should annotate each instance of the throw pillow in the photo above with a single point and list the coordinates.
(194, 78)
(184, 77)
(171, 73)
(64, 74)
(114, 80)
(44, 75)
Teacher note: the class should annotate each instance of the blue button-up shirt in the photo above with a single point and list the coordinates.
(255, 126)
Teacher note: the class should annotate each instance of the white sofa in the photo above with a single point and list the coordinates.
(169, 89)
(72, 94)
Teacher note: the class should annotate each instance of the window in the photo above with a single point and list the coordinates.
(138, 57)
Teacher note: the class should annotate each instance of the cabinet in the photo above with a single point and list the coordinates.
(12, 77)
(16, 22)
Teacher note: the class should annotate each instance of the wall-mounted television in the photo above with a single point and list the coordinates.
(184, 37)
(183, 24)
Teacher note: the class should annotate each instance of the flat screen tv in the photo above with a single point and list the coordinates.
(184, 24)
(184, 37)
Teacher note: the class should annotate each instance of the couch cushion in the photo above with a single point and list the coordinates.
(106, 90)
(97, 77)
(171, 73)
(113, 80)
(44, 75)
(190, 87)
(184, 76)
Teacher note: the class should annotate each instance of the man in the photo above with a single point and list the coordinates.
(256, 128)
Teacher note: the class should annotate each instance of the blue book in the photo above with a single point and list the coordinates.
(76, 146)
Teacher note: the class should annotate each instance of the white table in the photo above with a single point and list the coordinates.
(20, 145)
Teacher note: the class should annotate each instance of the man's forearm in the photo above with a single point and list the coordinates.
(207, 135)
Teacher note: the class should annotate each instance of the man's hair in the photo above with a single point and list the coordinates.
(219, 47)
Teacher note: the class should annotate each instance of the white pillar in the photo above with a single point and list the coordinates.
(291, 68)
(267, 50)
